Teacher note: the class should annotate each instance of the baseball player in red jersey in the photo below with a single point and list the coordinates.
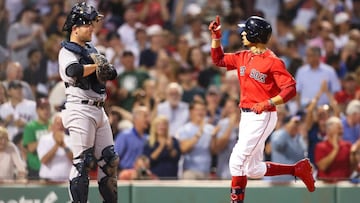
(264, 83)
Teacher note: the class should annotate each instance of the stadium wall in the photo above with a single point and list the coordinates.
(187, 192)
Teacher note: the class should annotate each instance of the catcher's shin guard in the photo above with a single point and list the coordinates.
(79, 189)
(79, 186)
(108, 184)
(108, 189)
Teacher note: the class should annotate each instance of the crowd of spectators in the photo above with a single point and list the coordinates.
(173, 113)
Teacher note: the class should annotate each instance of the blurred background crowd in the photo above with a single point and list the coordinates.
(173, 114)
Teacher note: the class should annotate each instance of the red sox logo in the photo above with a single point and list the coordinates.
(260, 77)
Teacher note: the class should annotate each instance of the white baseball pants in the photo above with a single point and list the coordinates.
(247, 156)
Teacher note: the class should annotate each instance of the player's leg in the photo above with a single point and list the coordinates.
(301, 169)
(108, 162)
(253, 130)
(82, 135)
(256, 168)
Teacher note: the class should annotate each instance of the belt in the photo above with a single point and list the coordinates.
(93, 103)
(246, 110)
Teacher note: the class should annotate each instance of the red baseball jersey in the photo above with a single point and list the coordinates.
(261, 76)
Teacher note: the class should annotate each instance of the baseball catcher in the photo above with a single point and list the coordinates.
(84, 72)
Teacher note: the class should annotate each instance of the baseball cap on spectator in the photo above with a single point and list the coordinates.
(341, 17)
(42, 102)
(14, 84)
(193, 9)
(154, 30)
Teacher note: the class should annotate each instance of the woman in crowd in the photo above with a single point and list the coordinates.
(13, 167)
(162, 149)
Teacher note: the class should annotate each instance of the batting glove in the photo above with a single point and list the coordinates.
(214, 27)
(260, 107)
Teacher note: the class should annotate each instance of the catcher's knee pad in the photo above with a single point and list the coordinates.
(108, 184)
(79, 186)
(86, 163)
(111, 160)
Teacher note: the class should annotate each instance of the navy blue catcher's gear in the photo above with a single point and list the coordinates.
(79, 186)
(257, 29)
(90, 81)
(81, 14)
(108, 184)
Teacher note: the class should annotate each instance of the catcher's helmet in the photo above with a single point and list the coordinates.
(257, 29)
(81, 14)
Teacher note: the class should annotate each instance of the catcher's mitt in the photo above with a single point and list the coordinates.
(104, 71)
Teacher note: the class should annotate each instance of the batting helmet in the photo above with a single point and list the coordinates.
(81, 14)
(257, 29)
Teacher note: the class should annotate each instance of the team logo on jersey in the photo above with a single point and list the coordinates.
(260, 77)
(242, 70)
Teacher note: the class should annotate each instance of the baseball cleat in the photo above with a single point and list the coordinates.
(303, 170)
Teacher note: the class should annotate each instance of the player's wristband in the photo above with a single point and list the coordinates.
(271, 102)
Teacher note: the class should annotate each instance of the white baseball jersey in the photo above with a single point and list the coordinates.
(67, 58)
(25, 110)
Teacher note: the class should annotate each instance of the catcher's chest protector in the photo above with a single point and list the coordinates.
(90, 81)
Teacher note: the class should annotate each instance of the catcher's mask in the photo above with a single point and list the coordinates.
(81, 14)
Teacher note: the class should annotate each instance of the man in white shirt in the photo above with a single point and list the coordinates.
(173, 108)
(54, 154)
(17, 111)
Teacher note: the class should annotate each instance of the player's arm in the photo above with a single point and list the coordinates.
(79, 70)
(217, 53)
(88, 69)
(285, 95)
(285, 82)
